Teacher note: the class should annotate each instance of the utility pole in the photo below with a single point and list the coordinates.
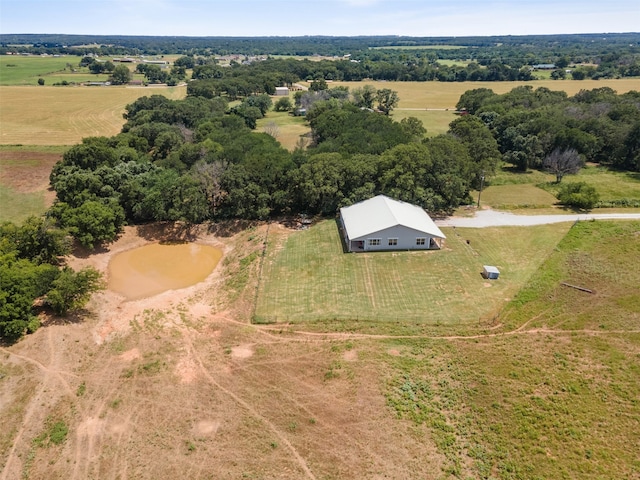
(481, 186)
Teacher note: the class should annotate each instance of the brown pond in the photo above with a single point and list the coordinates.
(156, 268)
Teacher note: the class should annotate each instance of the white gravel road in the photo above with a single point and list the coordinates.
(493, 218)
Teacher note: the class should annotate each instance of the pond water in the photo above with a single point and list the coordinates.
(156, 268)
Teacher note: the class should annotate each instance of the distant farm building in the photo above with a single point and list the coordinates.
(382, 223)
(282, 91)
(544, 66)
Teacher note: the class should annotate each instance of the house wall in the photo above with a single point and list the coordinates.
(405, 239)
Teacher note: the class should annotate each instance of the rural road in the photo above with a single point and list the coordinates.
(493, 218)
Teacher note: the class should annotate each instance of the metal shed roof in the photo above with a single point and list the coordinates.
(381, 212)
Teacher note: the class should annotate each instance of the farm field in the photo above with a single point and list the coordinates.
(308, 279)
(65, 115)
(19, 70)
(185, 374)
(25, 70)
(442, 95)
(518, 378)
(24, 180)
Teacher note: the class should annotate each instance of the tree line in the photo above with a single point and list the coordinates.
(529, 124)
(492, 58)
(197, 159)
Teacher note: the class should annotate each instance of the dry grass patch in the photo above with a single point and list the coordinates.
(446, 94)
(65, 115)
(24, 181)
(289, 130)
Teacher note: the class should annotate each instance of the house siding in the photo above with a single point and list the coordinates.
(406, 239)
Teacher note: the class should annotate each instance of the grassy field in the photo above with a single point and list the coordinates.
(446, 94)
(65, 115)
(435, 121)
(17, 206)
(24, 180)
(557, 398)
(290, 129)
(308, 278)
(25, 70)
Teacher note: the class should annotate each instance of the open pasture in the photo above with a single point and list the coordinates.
(24, 181)
(435, 121)
(307, 278)
(65, 115)
(441, 95)
(25, 70)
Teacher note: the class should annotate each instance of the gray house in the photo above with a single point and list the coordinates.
(382, 223)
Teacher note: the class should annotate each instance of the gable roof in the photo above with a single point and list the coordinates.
(381, 212)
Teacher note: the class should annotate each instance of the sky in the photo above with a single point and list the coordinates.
(422, 18)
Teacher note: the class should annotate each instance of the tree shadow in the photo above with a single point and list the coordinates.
(74, 317)
(229, 228)
(80, 251)
(168, 232)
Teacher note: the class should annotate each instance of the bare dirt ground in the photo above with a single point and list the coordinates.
(181, 385)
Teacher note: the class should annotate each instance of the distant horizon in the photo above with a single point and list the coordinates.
(328, 18)
(320, 35)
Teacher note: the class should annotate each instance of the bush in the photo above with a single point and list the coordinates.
(578, 195)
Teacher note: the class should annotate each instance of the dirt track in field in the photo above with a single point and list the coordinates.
(180, 385)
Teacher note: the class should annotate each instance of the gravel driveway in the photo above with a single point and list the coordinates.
(493, 218)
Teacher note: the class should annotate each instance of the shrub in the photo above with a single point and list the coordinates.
(578, 195)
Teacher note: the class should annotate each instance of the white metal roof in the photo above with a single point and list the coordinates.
(381, 212)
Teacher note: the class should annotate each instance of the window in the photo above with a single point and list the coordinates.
(374, 241)
(393, 242)
(421, 241)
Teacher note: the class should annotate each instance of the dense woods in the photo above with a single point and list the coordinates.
(196, 159)
(532, 126)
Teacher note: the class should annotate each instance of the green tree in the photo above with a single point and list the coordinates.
(21, 283)
(318, 85)
(37, 240)
(92, 223)
(364, 97)
(480, 143)
(578, 195)
(121, 75)
(414, 128)
(283, 105)
(72, 290)
(387, 100)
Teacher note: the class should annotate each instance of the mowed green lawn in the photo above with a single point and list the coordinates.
(307, 278)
